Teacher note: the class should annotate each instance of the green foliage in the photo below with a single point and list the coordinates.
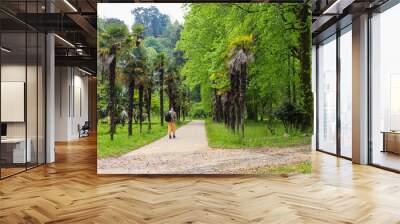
(291, 115)
(272, 31)
(114, 32)
(123, 143)
(257, 135)
(154, 43)
(142, 53)
(138, 30)
(153, 21)
(219, 81)
(197, 111)
(303, 168)
(102, 101)
(197, 60)
(240, 42)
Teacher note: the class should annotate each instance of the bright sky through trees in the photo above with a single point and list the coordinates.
(122, 11)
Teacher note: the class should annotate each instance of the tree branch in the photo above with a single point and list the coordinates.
(249, 11)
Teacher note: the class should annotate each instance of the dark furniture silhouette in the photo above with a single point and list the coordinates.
(84, 130)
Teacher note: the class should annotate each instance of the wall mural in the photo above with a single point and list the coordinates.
(204, 88)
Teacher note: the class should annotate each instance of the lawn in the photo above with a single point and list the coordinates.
(123, 143)
(297, 168)
(256, 135)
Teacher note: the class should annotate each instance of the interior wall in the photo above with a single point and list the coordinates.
(80, 102)
(71, 102)
(92, 100)
(61, 105)
(16, 73)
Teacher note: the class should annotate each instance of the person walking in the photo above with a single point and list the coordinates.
(170, 118)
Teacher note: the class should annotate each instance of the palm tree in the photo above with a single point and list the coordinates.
(160, 67)
(139, 68)
(148, 93)
(129, 67)
(144, 84)
(109, 42)
(148, 104)
(173, 85)
(170, 86)
(132, 69)
(150, 72)
(239, 57)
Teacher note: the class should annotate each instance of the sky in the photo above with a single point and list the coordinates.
(122, 11)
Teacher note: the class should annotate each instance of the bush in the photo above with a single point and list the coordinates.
(197, 111)
(292, 116)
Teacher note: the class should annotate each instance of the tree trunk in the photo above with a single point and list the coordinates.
(289, 87)
(171, 99)
(251, 108)
(233, 101)
(162, 95)
(217, 107)
(305, 60)
(131, 93)
(149, 108)
(242, 95)
(178, 113)
(226, 108)
(111, 91)
(237, 102)
(294, 92)
(140, 107)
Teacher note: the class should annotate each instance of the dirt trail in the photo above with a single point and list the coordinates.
(189, 153)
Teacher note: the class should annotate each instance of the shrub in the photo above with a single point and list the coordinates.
(292, 116)
(197, 111)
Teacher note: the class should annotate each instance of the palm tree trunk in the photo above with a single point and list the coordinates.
(233, 101)
(140, 107)
(237, 102)
(131, 94)
(169, 93)
(111, 92)
(162, 95)
(149, 108)
(289, 87)
(242, 95)
(217, 107)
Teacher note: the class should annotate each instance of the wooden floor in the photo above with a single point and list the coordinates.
(386, 159)
(70, 191)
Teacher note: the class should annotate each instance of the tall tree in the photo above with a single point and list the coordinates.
(160, 67)
(305, 58)
(278, 72)
(140, 71)
(153, 21)
(110, 40)
(151, 55)
(132, 68)
(239, 57)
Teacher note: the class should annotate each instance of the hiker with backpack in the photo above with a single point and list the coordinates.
(170, 118)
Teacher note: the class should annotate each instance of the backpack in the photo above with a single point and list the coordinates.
(168, 117)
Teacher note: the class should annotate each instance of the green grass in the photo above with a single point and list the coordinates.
(256, 135)
(123, 143)
(303, 168)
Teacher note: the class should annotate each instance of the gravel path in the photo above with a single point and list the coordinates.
(189, 154)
